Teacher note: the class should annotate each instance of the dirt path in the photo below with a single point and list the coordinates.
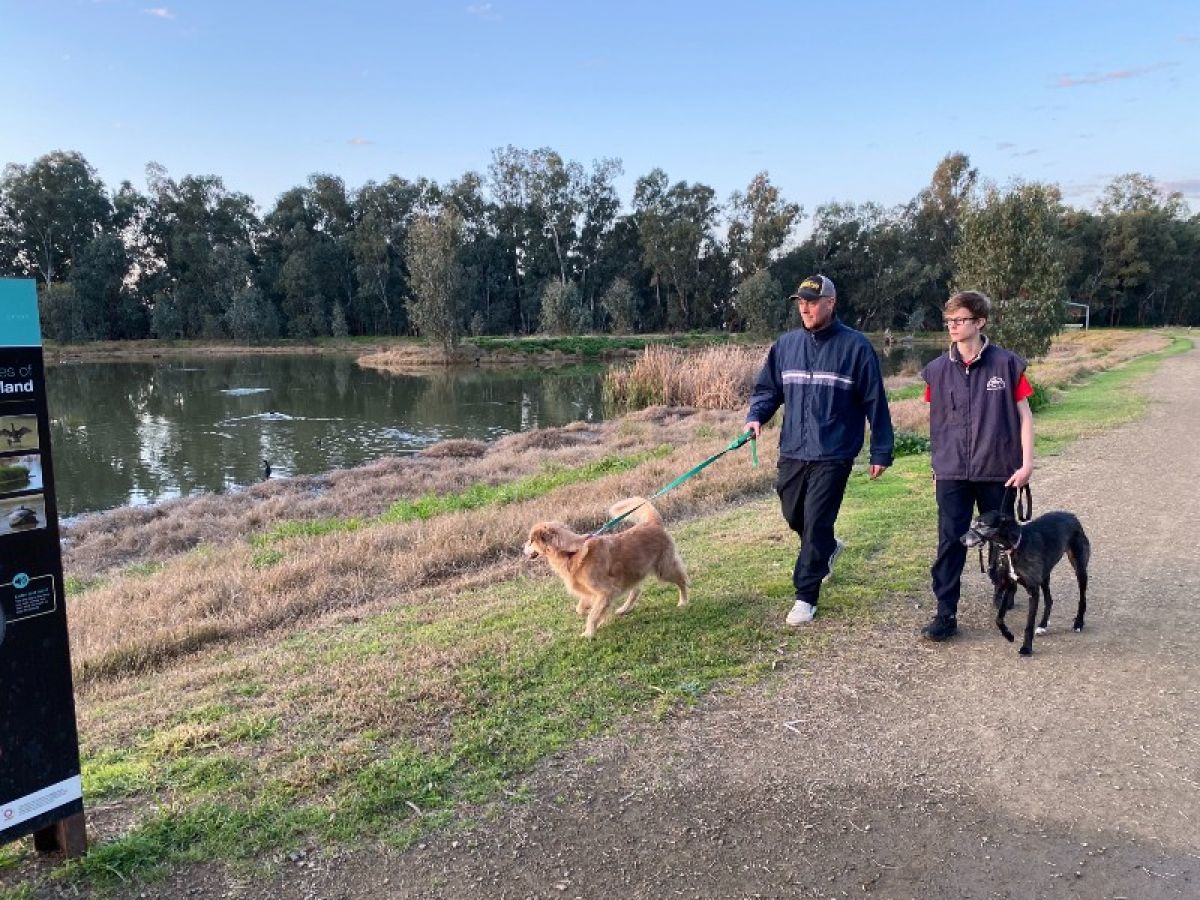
(892, 768)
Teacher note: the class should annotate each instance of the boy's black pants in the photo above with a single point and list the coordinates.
(810, 496)
(956, 503)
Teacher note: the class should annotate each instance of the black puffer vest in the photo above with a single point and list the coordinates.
(974, 427)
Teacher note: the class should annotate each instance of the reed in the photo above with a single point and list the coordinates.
(715, 378)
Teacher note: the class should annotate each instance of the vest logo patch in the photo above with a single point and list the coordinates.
(995, 383)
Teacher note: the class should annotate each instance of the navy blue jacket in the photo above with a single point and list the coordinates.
(829, 384)
(974, 425)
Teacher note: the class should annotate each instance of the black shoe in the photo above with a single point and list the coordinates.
(942, 628)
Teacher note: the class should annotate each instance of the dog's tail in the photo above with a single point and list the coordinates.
(643, 510)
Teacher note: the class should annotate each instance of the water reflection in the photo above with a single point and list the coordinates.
(127, 433)
(137, 432)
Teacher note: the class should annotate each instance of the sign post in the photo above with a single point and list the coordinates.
(40, 788)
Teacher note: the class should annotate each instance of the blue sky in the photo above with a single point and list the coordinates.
(852, 101)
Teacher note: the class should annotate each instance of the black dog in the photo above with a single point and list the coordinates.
(1027, 556)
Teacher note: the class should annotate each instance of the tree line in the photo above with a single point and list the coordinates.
(540, 243)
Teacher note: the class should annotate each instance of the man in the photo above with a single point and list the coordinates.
(827, 378)
(981, 437)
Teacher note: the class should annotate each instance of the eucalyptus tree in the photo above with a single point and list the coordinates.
(539, 199)
(860, 246)
(434, 244)
(509, 185)
(1140, 248)
(600, 205)
(760, 222)
(556, 188)
(310, 256)
(383, 214)
(108, 307)
(490, 294)
(51, 209)
(1012, 249)
(186, 222)
(675, 224)
(10, 267)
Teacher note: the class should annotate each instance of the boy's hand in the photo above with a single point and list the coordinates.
(756, 427)
(1020, 478)
(876, 471)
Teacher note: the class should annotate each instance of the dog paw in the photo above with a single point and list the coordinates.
(1078, 628)
(1026, 651)
(1039, 630)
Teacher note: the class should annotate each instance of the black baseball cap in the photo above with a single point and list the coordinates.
(815, 286)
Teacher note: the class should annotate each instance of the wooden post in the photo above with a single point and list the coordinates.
(68, 836)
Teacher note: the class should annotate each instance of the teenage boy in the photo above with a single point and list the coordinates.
(826, 377)
(981, 432)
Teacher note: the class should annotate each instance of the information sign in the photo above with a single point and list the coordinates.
(40, 787)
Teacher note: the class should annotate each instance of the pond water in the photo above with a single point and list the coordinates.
(137, 432)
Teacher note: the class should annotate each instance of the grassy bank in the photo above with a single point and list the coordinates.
(403, 673)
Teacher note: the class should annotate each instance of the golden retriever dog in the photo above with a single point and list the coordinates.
(598, 570)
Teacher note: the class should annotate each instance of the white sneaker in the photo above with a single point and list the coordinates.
(801, 612)
(837, 551)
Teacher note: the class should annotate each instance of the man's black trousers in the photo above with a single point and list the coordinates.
(810, 495)
(956, 503)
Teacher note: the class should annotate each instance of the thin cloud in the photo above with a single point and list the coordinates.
(159, 12)
(1070, 81)
(482, 10)
(1188, 39)
(1025, 153)
(1189, 187)
(359, 142)
(1005, 145)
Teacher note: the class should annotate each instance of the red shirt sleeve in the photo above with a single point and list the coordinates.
(929, 394)
(1023, 390)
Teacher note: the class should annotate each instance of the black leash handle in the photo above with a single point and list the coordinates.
(1023, 502)
(1022, 511)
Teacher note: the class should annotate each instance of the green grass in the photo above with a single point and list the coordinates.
(908, 392)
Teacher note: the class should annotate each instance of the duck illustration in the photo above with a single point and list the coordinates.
(14, 434)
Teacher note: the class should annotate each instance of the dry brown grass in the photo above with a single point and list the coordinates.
(416, 356)
(715, 378)
(134, 622)
(1077, 354)
(97, 544)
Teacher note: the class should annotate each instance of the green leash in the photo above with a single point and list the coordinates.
(695, 470)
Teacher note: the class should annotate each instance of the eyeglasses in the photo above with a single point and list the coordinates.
(951, 323)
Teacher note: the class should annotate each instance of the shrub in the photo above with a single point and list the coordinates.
(1039, 398)
(909, 443)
